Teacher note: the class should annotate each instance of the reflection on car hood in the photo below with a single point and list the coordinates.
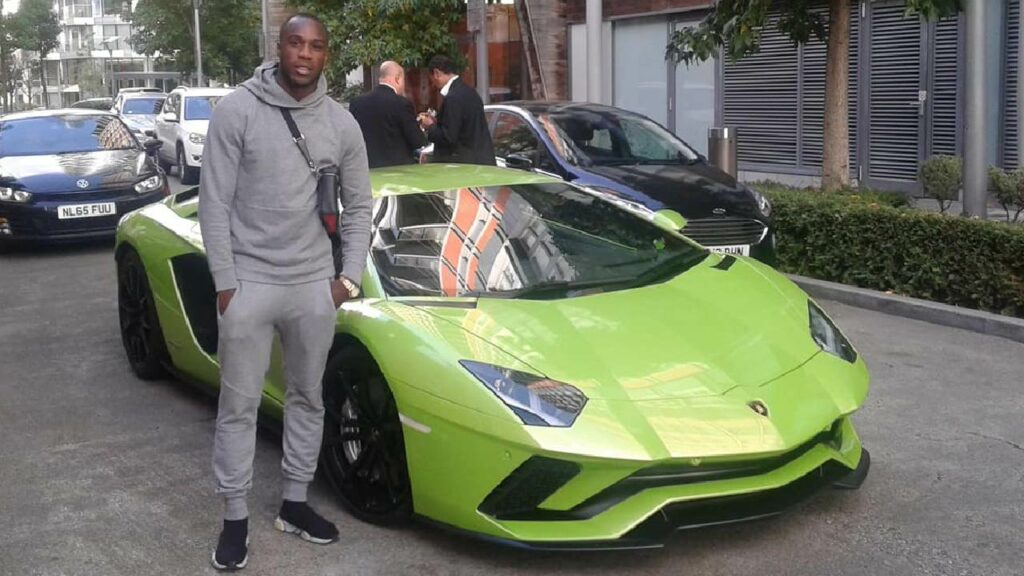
(102, 170)
(692, 190)
(698, 335)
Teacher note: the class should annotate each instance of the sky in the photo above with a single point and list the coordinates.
(10, 6)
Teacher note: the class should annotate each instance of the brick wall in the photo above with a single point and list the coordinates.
(576, 9)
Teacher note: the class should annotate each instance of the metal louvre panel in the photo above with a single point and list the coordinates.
(760, 98)
(945, 87)
(1010, 152)
(894, 83)
(812, 102)
(724, 231)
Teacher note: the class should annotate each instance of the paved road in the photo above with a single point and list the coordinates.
(101, 473)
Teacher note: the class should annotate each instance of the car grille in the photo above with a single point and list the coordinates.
(79, 197)
(725, 231)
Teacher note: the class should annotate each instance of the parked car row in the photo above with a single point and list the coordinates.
(73, 173)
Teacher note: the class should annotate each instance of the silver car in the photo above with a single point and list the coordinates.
(139, 110)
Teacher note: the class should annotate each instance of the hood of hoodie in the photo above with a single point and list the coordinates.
(266, 88)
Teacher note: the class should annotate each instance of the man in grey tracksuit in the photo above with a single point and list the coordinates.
(273, 270)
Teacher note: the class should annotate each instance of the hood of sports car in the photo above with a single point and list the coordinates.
(700, 334)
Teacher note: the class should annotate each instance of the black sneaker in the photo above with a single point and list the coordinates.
(232, 551)
(299, 519)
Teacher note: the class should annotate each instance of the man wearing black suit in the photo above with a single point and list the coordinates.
(460, 132)
(388, 121)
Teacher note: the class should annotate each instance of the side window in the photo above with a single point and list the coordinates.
(512, 135)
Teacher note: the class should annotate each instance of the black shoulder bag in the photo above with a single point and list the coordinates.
(328, 191)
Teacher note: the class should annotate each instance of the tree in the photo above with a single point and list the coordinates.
(230, 29)
(734, 26)
(365, 32)
(38, 29)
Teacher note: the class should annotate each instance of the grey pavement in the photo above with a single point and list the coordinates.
(103, 474)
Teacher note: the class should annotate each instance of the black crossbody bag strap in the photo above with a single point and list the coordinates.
(298, 138)
(300, 141)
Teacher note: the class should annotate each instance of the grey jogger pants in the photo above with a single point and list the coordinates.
(304, 317)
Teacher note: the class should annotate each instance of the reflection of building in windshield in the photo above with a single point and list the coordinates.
(471, 240)
(111, 135)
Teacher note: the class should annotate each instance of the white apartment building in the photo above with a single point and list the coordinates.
(95, 57)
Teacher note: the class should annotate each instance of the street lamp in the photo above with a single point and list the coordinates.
(110, 53)
(199, 46)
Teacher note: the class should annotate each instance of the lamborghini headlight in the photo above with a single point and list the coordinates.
(9, 195)
(150, 184)
(536, 400)
(827, 335)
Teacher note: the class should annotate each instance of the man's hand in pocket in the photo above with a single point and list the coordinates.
(223, 299)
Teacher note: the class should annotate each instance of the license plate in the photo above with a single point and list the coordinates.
(69, 211)
(741, 250)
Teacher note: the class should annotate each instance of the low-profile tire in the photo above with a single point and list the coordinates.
(164, 164)
(188, 174)
(363, 453)
(140, 328)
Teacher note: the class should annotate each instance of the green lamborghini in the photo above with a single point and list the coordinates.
(534, 363)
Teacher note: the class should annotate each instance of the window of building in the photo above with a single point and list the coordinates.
(78, 37)
(79, 8)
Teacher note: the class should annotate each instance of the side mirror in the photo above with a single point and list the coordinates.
(669, 220)
(152, 146)
(519, 162)
(169, 117)
(150, 133)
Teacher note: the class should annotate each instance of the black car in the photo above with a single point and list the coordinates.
(69, 174)
(633, 158)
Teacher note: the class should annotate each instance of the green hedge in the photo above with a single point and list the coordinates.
(865, 242)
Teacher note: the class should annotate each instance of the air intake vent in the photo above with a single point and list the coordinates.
(527, 486)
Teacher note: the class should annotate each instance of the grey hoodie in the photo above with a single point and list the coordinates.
(257, 207)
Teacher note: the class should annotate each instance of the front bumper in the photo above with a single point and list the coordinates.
(193, 153)
(702, 513)
(38, 221)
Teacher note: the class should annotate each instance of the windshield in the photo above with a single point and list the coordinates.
(200, 107)
(142, 106)
(522, 241)
(608, 138)
(63, 135)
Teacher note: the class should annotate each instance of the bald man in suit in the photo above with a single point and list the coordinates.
(388, 120)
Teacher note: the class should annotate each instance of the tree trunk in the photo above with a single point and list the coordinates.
(42, 79)
(835, 170)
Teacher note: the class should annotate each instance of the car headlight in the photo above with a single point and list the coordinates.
(763, 205)
(827, 335)
(11, 195)
(150, 184)
(536, 400)
(196, 138)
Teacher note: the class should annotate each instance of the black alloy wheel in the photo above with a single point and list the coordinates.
(363, 453)
(140, 328)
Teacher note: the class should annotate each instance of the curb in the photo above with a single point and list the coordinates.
(914, 308)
